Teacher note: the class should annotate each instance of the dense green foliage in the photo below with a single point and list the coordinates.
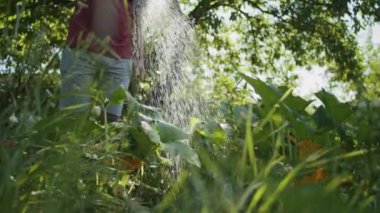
(268, 156)
(309, 32)
(278, 154)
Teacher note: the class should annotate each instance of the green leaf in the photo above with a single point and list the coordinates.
(364, 132)
(296, 103)
(322, 119)
(335, 110)
(169, 133)
(134, 107)
(33, 168)
(303, 129)
(118, 96)
(213, 131)
(268, 95)
(184, 151)
(150, 132)
(124, 180)
(142, 145)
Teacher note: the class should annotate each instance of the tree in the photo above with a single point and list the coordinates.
(320, 31)
(371, 85)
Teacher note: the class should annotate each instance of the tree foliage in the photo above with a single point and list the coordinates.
(313, 31)
(310, 31)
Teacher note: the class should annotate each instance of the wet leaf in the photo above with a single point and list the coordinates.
(184, 151)
(169, 133)
(142, 144)
(150, 132)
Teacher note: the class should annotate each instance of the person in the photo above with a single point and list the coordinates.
(98, 52)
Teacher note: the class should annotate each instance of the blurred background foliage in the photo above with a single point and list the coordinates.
(268, 151)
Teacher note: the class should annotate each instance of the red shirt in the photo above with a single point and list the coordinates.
(81, 34)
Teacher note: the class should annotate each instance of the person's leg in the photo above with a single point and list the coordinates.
(77, 73)
(118, 74)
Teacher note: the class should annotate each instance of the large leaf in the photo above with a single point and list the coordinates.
(134, 107)
(166, 131)
(158, 133)
(169, 133)
(296, 103)
(335, 110)
(150, 132)
(300, 121)
(322, 119)
(303, 129)
(268, 95)
(143, 144)
(184, 151)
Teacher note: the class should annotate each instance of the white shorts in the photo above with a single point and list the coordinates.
(82, 70)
